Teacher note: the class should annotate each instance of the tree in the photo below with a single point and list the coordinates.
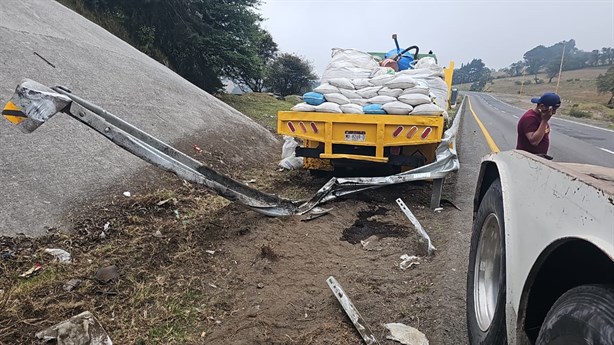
(250, 74)
(536, 59)
(470, 72)
(605, 83)
(202, 40)
(290, 75)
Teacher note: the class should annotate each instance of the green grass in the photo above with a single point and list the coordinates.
(261, 107)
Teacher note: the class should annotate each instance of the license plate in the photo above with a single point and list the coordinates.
(355, 136)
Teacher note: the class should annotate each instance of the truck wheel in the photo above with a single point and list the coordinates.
(486, 272)
(583, 315)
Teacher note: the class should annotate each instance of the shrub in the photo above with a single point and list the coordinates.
(575, 112)
(518, 82)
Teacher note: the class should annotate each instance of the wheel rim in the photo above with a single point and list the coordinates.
(487, 276)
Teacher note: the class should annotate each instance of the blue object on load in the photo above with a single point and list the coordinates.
(314, 98)
(404, 62)
(373, 109)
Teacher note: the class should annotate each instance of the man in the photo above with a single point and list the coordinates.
(533, 128)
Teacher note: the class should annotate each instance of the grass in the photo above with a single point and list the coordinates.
(261, 107)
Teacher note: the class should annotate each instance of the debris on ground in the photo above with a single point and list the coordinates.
(59, 254)
(32, 271)
(72, 284)
(316, 212)
(351, 311)
(406, 335)
(107, 274)
(431, 248)
(82, 329)
(408, 261)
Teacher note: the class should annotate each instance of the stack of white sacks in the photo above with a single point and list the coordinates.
(353, 83)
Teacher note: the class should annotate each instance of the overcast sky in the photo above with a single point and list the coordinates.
(496, 31)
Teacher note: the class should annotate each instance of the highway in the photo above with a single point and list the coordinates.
(569, 141)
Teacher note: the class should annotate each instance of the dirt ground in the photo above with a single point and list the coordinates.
(196, 269)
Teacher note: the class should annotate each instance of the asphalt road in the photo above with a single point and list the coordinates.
(569, 141)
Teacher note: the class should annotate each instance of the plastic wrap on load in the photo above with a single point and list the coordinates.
(349, 63)
(397, 108)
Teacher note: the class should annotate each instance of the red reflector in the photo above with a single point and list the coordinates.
(411, 132)
(397, 131)
(426, 132)
(303, 127)
(291, 126)
(314, 127)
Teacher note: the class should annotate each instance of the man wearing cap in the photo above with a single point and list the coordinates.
(533, 128)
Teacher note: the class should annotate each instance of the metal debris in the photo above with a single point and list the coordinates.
(416, 223)
(351, 311)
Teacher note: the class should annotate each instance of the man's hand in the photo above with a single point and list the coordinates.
(547, 114)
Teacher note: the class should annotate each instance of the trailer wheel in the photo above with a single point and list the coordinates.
(583, 315)
(486, 272)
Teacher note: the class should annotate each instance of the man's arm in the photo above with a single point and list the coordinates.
(536, 137)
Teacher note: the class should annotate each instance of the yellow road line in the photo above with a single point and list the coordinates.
(491, 143)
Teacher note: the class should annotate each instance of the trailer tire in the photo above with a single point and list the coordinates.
(486, 272)
(582, 315)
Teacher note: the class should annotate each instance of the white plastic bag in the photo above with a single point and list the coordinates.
(288, 157)
(397, 108)
(415, 99)
(336, 98)
(289, 146)
(351, 109)
(349, 63)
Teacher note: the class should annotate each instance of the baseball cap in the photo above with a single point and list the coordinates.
(549, 99)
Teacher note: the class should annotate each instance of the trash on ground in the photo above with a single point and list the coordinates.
(7, 255)
(197, 148)
(107, 274)
(158, 234)
(162, 202)
(351, 311)
(106, 226)
(60, 254)
(316, 212)
(82, 329)
(32, 271)
(406, 335)
(250, 181)
(127, 194)
(438, 209)
(408, 261)
(371, 243)
(72, 284)
(416, 223)
(210, 252)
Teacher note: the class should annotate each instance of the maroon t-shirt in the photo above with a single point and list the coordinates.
(529, 122)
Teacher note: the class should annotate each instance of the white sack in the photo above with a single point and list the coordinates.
(303, 107)
(349, 63)
(359, 101)
(342, 83)
(415, 99)
(351, 109)
(381, 99)
(427, 109)
(351, 94)
(361, 83)
(326, 88)
(386, 91)
(328, 107)
(382, 79)
(401, 82)
(397, 108)
(336, 98)
(368, 92)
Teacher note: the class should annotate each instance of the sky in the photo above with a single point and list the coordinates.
(497, 31)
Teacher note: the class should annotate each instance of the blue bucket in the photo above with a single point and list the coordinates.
(405, 62)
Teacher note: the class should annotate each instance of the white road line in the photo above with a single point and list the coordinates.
(584, 124)
(606, 150)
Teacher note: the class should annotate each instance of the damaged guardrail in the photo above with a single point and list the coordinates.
(33, 104)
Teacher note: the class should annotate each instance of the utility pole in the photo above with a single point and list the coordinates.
(558, 80)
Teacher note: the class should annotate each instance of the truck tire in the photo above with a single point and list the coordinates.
(582, 315)
(486, 272)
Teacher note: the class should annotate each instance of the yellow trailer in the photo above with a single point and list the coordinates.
(395, 142)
